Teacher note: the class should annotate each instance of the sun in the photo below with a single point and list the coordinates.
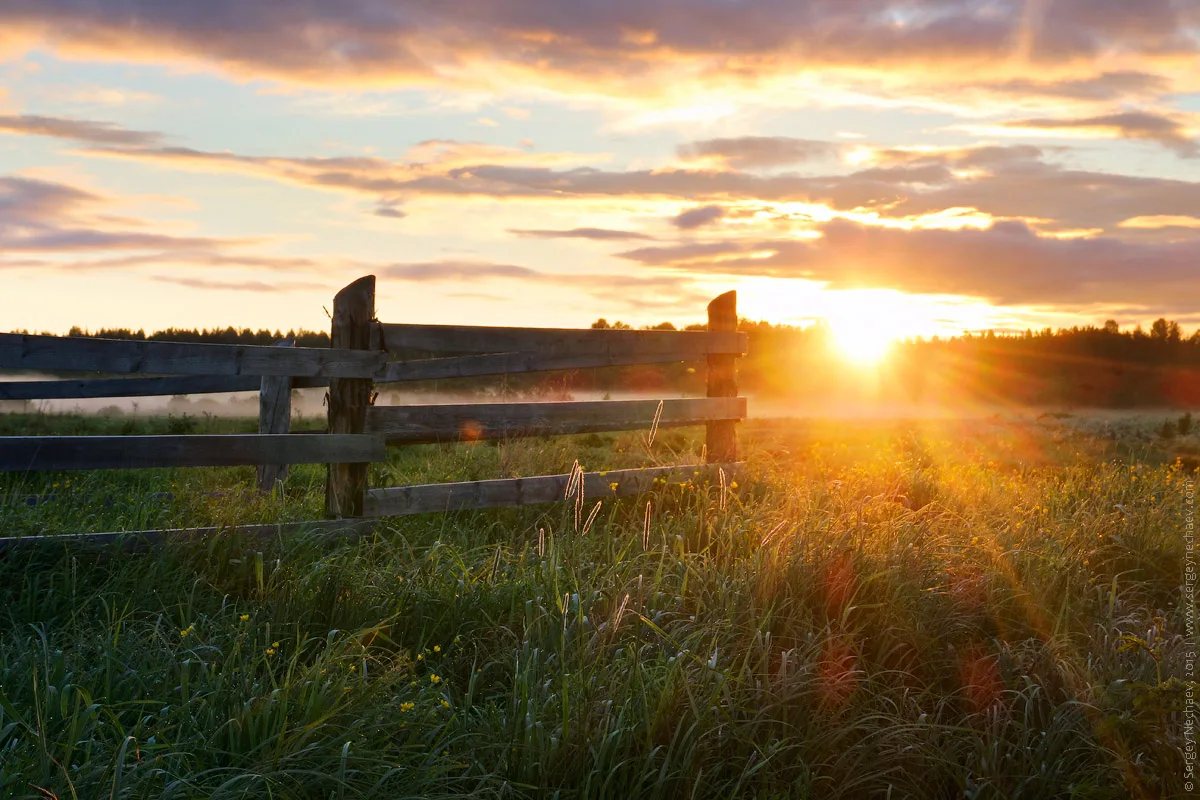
(862, 341)
(865, 324)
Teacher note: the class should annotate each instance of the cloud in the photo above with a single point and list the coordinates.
(697, 217)
(98, 133)
(243, 286)
(390, 212)
(759, 152)
(1168, 131)
(1002, 182)
(596, 234)
(1007, 263)
(653, 291)
(38, 216)
(429, 271)
(628, 48)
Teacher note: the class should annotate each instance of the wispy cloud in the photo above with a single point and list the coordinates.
(1170, 131)
(595, 234)
(759, 152)
(698, 217)
(98, 133)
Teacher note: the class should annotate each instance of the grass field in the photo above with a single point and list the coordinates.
(984, 609)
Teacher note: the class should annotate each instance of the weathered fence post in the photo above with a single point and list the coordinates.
(274, 416)
(721, 439)
(353, 314)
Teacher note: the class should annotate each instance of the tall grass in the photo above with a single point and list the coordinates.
(893, 611)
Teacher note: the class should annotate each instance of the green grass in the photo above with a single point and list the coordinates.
(983, 610)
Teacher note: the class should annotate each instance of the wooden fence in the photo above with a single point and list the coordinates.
(359, 432)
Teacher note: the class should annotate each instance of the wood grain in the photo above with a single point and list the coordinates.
(677, 345)
(721, 435)
(353, 314)
(140, 387)
(274, 416)
(27, 351)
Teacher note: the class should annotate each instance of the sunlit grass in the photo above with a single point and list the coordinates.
(904, 610)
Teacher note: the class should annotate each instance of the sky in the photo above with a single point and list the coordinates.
(917, 168)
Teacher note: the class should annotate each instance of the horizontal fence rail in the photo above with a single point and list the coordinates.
(427, 424)
(513, 363)
(140, 387)
(33, 453)
(436, 497)
(679, 345)
(27, 351)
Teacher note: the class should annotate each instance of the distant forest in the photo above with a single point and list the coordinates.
(1078, 367)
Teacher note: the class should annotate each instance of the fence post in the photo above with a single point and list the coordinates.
(353, 313)
(274, 416)
(721, 438)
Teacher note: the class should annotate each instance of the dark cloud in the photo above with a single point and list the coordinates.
(623, 45)
(390, 212)
(597, 234)
(760, 152)
(1007, 264)
(1107, 86)
(697, 217)
(92, 132)
(1159, 128)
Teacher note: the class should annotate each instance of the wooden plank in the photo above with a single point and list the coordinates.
(141, 540)
(34, 453)
(679, 345)
(510, 364)
(274, 416)
(425, 424)
(140, 387)
(721, 435)
(26, 351)
(438, 497)
(353, 313)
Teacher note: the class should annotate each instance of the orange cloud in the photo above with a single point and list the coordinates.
(1164, 129)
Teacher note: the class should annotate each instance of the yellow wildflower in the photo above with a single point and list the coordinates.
(434, 679)
(406, 707)
(244, 617)
(437, 648)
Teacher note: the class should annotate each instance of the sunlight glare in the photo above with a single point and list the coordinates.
(862, 341)
(866, 323)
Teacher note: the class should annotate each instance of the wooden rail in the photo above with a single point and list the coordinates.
(427, 424)
(33, 453)
(27, 351)
(140, 387)
(677, 345)
(436, 497)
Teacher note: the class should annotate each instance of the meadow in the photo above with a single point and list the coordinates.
(929, 609)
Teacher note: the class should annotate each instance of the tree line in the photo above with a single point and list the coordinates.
(1097, 366)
